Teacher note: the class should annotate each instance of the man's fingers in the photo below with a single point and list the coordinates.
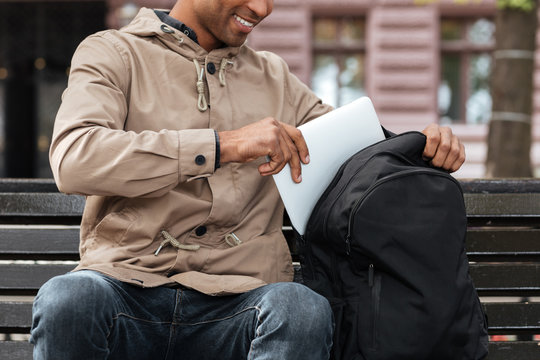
(460, 159)
(443, 149)
(293, 158)
(279, 142)
(287, 153)
(453, 154)
(276, 160)
(433, 138)
(299, 142)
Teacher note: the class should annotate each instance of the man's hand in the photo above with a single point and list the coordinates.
(443, 148)
(282, 143)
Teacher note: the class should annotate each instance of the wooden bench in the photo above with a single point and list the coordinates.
(39, 239)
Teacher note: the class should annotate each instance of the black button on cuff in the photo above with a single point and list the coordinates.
(200, 159)
(200, 231)
(211, 68)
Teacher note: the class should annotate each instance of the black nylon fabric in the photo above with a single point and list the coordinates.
(386, 245)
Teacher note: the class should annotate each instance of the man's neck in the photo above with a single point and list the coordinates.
(182, 11)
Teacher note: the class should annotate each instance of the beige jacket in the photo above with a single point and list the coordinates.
(133, 135)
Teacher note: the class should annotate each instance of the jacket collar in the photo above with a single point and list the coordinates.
(147, 24)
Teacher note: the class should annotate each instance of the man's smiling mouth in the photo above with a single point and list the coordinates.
(243, 22)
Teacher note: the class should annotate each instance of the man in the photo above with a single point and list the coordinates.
(165, 126)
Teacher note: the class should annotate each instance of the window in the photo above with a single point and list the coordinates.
(338, 60)
(466, 46)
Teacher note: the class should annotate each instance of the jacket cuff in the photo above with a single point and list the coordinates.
(217, 163)
(197, 153)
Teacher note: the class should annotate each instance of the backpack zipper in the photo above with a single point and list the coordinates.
(325, 221)
(382, 181)
(306, 249)
(375, 289)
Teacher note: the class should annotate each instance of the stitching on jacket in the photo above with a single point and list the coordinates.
(107, 35)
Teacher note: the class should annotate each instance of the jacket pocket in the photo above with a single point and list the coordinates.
(115, 225)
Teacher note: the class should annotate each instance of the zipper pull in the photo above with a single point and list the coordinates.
(348, 244)
(371, 272)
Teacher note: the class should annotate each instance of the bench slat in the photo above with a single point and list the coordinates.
(27, 185)
(25, 278)
(515, 240)
(15, 350)
(504, 205)
(43, 241)
(57, 204)
(505, 317)
(501, 277)
(510, 350)
(15, 315)
(494, 186)
(487, 278)
(40, 204)
(39, 243)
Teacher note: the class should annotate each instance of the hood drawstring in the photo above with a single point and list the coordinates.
(202, 103)
(169, 239)
(168, 30)
(222, 67)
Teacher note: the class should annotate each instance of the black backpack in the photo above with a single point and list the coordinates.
(385, 244)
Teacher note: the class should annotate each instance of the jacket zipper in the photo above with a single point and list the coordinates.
(380, 182)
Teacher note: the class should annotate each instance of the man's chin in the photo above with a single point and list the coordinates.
(235, 41)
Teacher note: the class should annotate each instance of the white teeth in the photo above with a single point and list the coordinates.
(243, 22)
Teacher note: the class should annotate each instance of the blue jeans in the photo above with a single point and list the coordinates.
(87, 315)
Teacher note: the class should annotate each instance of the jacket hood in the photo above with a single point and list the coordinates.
(148, 24)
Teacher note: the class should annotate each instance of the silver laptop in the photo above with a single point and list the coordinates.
(331, 140)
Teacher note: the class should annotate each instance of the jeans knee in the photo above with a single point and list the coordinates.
(305, 312)
(314, 311)
(70, 296)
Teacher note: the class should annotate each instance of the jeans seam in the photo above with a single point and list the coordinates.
(219, 319)
(139, 319)
(172, 329)
(113, 320)
(257, 332)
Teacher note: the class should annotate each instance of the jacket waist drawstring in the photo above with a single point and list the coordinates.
(169, 239)
(232, 240)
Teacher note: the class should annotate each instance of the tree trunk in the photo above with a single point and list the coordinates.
(509, 140)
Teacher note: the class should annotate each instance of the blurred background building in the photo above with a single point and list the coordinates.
(418, 63)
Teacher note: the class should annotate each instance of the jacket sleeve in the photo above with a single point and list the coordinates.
(307, 105)
(92, 154)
